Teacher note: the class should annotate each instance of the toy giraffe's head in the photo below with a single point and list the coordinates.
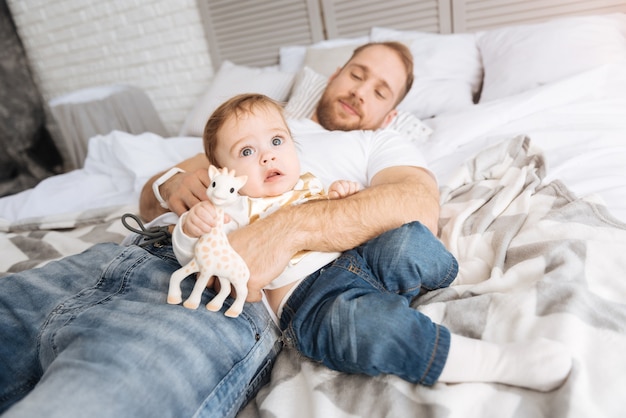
(224, 185)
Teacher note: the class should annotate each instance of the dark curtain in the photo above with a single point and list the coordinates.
(27, 150)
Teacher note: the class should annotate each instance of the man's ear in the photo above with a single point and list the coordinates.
(389, 118)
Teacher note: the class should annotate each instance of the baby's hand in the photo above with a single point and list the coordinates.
(342, 188)
(200, 219)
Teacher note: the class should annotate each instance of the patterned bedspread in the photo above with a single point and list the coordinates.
(535, 262)
(33, 242)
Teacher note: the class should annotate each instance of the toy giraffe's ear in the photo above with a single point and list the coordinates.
(241, 180)
(212, 171)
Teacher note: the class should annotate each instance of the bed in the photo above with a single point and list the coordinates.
(525, 127)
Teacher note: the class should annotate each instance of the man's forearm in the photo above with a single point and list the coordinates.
(339, 225)
(395, 198)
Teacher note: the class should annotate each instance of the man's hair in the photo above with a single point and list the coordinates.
(404, 53)
(235, 107)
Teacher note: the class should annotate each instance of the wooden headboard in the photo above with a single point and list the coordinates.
(249, 32)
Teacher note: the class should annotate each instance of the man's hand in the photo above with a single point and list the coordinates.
(181, 191)
(184, 190)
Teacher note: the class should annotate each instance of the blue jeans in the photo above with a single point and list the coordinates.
(91, 335)
(354, 314)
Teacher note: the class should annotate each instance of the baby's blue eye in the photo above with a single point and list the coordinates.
(246, 152)
(277, 141)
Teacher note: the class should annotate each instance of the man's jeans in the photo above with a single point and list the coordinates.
(354, 314)
(92, 336)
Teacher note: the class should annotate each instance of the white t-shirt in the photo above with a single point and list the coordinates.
(351, 155)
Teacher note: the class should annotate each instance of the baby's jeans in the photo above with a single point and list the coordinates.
(354, 315)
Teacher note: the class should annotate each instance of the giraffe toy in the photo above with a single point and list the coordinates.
(213, 255)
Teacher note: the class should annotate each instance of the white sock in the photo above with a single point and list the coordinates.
(541, 365)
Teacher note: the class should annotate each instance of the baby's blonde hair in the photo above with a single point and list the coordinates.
(235, 107)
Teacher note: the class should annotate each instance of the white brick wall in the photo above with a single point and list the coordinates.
(157, 45)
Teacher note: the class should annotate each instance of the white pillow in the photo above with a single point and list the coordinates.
(231, 80)
(308, 90)
(519, 58)
(326, 61)
(292, 58)
(447, 70)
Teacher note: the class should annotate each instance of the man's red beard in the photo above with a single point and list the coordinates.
(333, 121)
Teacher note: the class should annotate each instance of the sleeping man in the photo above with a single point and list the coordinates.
(91, 334)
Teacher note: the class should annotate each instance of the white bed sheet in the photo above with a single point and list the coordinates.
(579, 123)
(116, 168)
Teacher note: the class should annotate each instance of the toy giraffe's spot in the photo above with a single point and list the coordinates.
(213, 255)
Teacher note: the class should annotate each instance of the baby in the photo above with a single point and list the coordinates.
(248, 134)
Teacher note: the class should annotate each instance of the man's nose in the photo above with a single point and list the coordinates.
(358, 91)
